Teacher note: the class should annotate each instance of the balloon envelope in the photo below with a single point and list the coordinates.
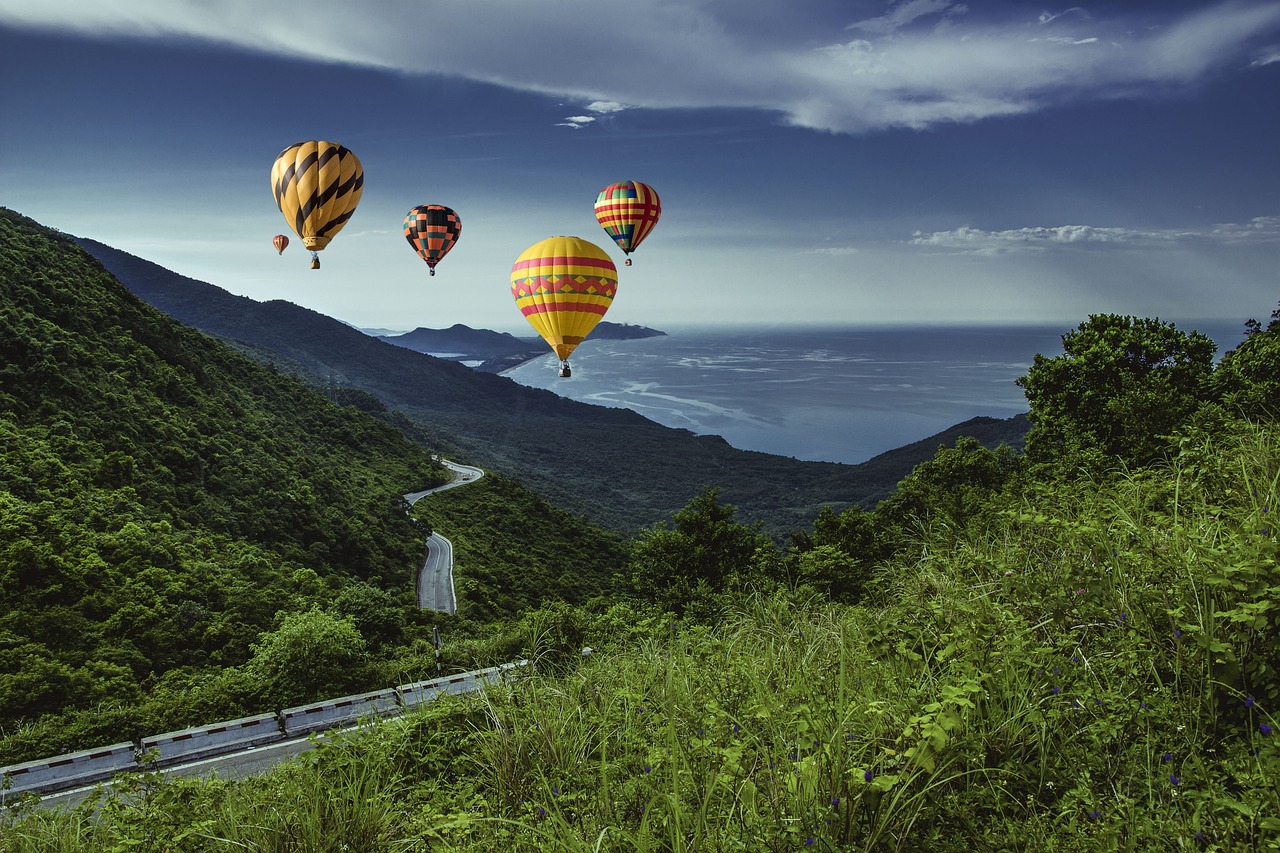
(431, 230)
(563, 286)
(281, 242)
(627, 211)
(317, 185)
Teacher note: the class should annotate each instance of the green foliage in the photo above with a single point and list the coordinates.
(515, 551)
(310, 654)
(1248, 377)
(161, 499)
(705, 552)
(1120, 387)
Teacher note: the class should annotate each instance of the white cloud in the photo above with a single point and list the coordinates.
(970, 240)
(908, 69)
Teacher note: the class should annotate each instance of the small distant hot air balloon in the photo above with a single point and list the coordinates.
(431, 230)
(281, 242)
(563, 286)
(627, 211)
(317, 186)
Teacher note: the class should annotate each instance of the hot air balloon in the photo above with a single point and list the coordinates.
(563, 286)
(317, 186)
(281, 242)
(431, 230)
(627, 211)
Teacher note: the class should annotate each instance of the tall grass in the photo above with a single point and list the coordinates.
(1093, 671)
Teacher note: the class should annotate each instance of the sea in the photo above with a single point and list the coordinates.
(821, 394)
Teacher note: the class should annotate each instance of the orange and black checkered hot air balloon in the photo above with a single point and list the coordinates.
(431, 230)
(627, 211)
(563, 286)
(317, 186)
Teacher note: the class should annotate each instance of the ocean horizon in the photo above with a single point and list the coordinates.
(841, 394)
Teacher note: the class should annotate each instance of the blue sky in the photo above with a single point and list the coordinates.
(819, 161)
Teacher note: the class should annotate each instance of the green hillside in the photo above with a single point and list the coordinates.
(573, 453)
(168, 505)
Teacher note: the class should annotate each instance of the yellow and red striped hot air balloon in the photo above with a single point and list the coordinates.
(317, 186)
(563, 286)
(627, 211)
(281, 242)
(431, 230)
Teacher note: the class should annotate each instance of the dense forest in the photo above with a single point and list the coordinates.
(165, 503)
(1067, 645)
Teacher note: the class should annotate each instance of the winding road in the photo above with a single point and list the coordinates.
(435, 578)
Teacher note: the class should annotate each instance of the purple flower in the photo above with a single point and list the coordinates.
(1095, 814)
(1174, 780)
(735, 727)
(1264, 728)
(1121, 619)
(808, 842)
(835, 801)
(1177, 632)
(1168, 756)
(867, 776)
(1057, 690)
(1248, 703)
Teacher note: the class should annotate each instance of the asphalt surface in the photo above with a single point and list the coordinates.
(435, 578)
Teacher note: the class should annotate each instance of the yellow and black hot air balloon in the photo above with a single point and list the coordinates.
(317, 186)
(563, 286)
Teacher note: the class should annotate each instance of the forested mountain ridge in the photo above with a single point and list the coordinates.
(614, 466)
(163, 497)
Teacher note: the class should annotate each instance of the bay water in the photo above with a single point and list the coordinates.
(823, 394)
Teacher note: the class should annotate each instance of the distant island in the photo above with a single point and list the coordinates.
(494, 352)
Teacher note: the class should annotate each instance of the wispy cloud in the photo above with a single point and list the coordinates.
(976, 241)
(921, 63)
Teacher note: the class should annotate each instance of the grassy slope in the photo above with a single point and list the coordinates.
(1095, 671)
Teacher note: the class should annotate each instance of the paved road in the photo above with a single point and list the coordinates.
(435, 578)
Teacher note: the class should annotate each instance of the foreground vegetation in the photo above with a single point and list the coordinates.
(1092, 669)
(1016, 652)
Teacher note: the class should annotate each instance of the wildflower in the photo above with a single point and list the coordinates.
(1097, 701)
(1248, 703)
(1264, 728)
(648, 769)
(541, 811)
(640, 709)
(1168, 756)
(1057, 690)
(1174, 780)
(735, 728)
(555, 789)
(835, 801)
(1095, 814)
(1080, 591)
(1177, 632)
(808, 842)
(867, 776)
(1121, 619)
(1056, 670)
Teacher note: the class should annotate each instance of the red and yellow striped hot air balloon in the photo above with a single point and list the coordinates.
(431, 230)
(627, 211)
(563, 286)
(281, 242)
(317, 186)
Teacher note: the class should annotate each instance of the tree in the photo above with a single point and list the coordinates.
(1248, 377)
(706, 552)
(311, 655)
(1121, 385)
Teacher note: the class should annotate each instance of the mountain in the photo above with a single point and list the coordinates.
(614, 466)
(481, 349)
(494, 352)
